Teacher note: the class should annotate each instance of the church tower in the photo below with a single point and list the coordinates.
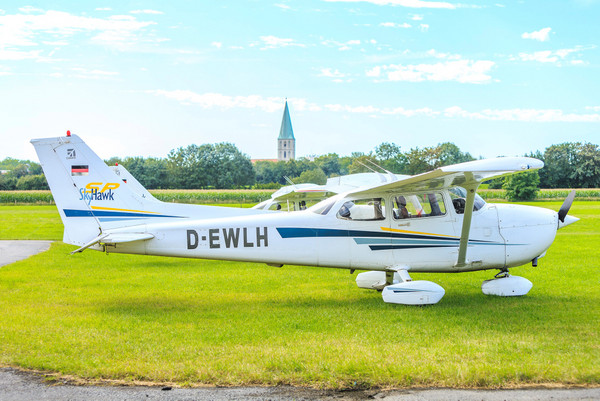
(286, 143)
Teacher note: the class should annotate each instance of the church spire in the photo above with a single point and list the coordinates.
(286, 131)
(286, 143)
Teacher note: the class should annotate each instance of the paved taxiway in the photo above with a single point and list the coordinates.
(16, 385)
(12, 251)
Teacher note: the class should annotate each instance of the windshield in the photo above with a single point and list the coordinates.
(323, 207)
(459, 195)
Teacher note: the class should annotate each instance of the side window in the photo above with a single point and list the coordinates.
(424, 205)
(363, 210)
(275, 206)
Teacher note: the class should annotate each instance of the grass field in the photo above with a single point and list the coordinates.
(204, 322)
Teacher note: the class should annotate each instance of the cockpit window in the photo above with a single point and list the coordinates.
(459, 195)
(423, 205)
(363, 210)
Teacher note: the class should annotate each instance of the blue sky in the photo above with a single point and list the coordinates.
(139, 78)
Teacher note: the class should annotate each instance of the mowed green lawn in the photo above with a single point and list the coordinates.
(205, 322)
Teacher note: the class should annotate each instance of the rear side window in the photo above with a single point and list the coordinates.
(423, 205)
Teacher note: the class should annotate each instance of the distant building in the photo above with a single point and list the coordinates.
(286, 143)
(4, 171)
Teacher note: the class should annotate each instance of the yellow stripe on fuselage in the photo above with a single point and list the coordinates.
(121, 210)
(416, 232)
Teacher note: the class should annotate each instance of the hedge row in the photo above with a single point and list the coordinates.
(256, 196)
(212, 196)
(583, 193)
(177, 196)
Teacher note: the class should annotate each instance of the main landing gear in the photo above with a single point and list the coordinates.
(397, 287)
(505, 285)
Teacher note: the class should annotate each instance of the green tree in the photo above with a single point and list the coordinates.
(587, 166)
(361, 163)
(448, 153)
(7, 183)
(330, 164)
(313, 176)
(420, 160)
(391, 158)
(220, 165)
(30, 182)
(559, 166)
(522, 186)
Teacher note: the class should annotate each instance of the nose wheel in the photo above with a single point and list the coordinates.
(505, 285)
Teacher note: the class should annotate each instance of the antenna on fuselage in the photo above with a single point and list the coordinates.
(369, 168)
(289, 180)
(392, 175)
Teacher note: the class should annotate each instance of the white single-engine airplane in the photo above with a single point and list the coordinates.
(432, 222)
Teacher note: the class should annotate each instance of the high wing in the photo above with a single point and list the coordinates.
(333, 186)
(302, 191)
(468, 175)
(464, 174)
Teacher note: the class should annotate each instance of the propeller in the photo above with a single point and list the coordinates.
(564, 209)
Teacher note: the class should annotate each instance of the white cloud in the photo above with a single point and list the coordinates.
(395, 25)
(85, 73)
(55, 42)
(552, 56)
(8, 54)
(19, 30)
(146, 12)
(224, 102)
(283, 6)
(416, 17)
(374, 72)
(218, 45)
(271, 42)
(30, 9)
(463, 71)
(424, 27)
(342, 46)
(328, 72)
(336, 75)
(543, 35)
(527, 115)
(440, 55)
(274, 104)
(404, 3)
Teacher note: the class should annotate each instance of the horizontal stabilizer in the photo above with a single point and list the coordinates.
(116, 238)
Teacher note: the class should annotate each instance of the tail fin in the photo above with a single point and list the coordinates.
(89, 195)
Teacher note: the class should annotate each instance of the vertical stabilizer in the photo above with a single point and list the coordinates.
(89, 196)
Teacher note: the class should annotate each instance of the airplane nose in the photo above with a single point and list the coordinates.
(567, 220)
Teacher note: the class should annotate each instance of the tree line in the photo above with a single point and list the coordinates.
(224, 166)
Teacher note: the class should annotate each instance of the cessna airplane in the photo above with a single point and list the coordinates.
(431, 222)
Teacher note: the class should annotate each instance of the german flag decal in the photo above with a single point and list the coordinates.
(79, 170)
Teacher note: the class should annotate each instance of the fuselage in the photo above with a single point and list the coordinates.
(369, 234)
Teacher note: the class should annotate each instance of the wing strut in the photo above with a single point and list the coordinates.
(466, 227)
